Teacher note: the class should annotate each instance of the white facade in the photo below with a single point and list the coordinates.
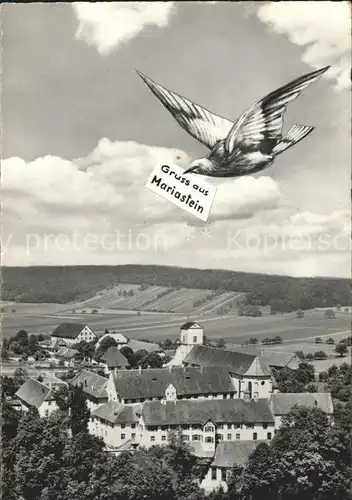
(190, 335)
(209, 434)
(85, 334)
(114, 435)
(215, 478)
(253, 387)
(45, 409)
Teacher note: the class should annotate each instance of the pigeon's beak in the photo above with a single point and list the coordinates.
(189, 170)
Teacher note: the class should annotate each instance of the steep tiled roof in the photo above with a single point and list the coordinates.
(282, 403)
(273, 358)
(138, 345)
(33, 393)
(237, 362)
(189, 324)
(66, 352)
(116, 413)
(199, 412)
(68, 330)
(92, 384)
(114, 358)
(152, 383)
(280, 359)
(231, 453)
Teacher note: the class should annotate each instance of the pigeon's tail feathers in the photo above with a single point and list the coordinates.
(293, 136)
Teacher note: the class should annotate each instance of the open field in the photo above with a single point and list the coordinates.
(39, 318)
(324, 364)
(159, 298)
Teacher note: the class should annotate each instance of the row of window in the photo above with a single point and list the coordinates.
(207, 428)
(123, 426)
(122, 436)
(218, 437)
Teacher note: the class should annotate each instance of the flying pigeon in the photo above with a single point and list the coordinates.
(245, 146)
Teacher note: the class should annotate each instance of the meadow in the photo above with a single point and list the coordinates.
(43, 318)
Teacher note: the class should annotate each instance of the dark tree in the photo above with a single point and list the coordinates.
(341, 349)
(329, 314)
(129, 355)
(320, 355)
(138, 355)
(22, 337)
(152, 360)
(73, 402)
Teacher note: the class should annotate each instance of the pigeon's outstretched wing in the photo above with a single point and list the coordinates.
(263, 121)
(203, 125)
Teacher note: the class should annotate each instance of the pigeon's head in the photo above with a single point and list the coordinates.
(202, 166)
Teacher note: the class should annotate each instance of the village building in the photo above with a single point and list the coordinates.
(171, 383)
(282, 403)
(67, 334)
(139, 345)
(191, 333)
(68, 357)
(119, 338)
(208, 422)
(227, 455)
(113, 359)
(273, 358)
(117, 424)
(51, 381)
(34, 394)
(250, 375)
(94, 387)
(203, 423)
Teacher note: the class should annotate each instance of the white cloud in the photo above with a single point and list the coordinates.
(97, 210)
(108, 24)
(322, 28)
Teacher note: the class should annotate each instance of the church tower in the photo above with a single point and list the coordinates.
(191, 334)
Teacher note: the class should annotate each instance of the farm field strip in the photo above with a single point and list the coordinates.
(107, 295)
(216, 302)
(176, 298)
(168, 301)
(145, 296)
(158, 302)
(138, 299)
(225, 302)
(120, 302)
(190, 298)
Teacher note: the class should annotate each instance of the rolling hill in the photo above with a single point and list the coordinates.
(168, 288)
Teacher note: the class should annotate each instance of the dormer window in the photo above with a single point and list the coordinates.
(209, 428)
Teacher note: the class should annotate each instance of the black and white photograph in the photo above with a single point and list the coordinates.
(176, 250)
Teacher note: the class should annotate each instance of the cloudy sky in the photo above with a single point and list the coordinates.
(81, 134)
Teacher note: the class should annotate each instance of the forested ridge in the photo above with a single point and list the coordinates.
(75, 283)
